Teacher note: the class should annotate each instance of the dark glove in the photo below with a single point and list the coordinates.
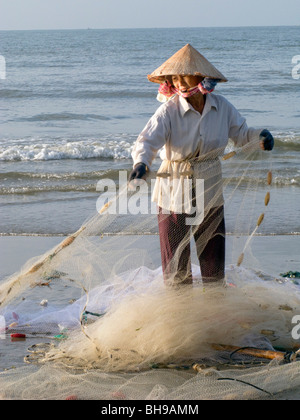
(138, 172)
(268, 140)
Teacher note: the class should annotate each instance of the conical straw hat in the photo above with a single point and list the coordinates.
(187, 61)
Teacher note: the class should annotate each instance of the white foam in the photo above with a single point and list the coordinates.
(58, 150)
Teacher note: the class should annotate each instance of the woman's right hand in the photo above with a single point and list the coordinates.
(138, 172)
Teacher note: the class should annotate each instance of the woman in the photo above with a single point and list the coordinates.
(192, 129)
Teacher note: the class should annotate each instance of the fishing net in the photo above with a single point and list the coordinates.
(114, 319)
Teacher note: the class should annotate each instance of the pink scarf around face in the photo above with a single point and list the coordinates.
(206, 86)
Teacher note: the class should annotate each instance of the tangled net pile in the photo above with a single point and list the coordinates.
(113, 329)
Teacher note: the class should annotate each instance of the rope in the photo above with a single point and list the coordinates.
(246, 383)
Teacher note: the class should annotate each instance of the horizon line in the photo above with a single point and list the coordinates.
(150, 27)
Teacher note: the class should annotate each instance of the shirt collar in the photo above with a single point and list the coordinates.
(210, 103)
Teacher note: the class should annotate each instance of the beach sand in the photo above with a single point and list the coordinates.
(273, 255)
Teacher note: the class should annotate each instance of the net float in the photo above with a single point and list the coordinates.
(267, 198)
(68, 241)
(105, 207)
(35, 268)
(240, 260)
(270, 177)
(229, 155)
(260, 219)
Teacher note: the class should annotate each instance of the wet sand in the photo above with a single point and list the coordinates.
(271, 254)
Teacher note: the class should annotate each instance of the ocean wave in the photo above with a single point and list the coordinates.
(12, 176)
(62, 116)
(59, 177)
(15, 93)
(280, 177)
(279, 180)
(38, 189)
(108, 147)
(111, 94)
(111, 149)
(87, 183)
(81, 94)
(289, 141)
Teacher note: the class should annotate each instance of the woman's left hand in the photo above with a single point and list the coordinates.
(267, 141)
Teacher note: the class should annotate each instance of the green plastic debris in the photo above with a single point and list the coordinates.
(61, 337)
(63, 333)
(291, 275)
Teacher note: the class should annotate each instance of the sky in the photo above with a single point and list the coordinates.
(103, 14)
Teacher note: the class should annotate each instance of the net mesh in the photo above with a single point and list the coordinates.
(127, 315)
(264, 382)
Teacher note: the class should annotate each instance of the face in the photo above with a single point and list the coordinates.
(184, 83)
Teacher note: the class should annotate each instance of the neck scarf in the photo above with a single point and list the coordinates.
(166, 90)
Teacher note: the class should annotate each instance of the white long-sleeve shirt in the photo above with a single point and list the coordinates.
(180, 132)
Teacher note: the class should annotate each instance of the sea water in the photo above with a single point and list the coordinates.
(73, 103)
